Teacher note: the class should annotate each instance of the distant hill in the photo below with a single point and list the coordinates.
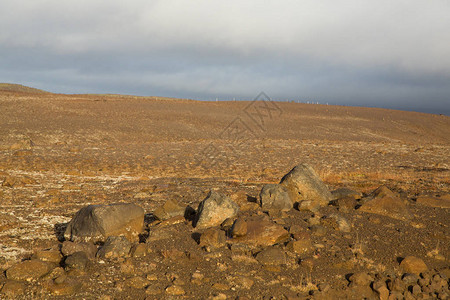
(12, 87)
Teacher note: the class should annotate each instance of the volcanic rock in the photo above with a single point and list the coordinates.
(213, 237)
(77, 260)
(29, 270)
(169, 209)
(97, 222)
(386, 203)
(303, 183)
(275, 196)
(262, 232)
(114, 247)
(414, 265)
(69, 248)
(214, 209)
(239, 228)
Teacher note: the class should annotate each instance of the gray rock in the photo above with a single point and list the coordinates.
(114, 247)
(69, 248)
(214, 210)
(97, 222)
(275, 196)
(303, 183)
(77, 260)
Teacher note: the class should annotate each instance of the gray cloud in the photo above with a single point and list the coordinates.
(374, 53)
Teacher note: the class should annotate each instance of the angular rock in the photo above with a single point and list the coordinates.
(214, 210)
(360, 278)
(300, 247)
(275, 196)
(441, 202)
(169, 209)
(303, 183)
(98, 222)
(69, 248)
(239, 228)
(413, 265)
(29, 270)
(213, 237)
(115, 247)
(380, 287)
(384, 202)
(271, 256)
(262, 232)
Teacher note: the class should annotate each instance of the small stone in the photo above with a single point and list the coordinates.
(308, 205)
(169, 209)
(28, 270)
(69, 248)
(213, 237)
(380, 287)
(12, 288)
(300, 247)
(271, 256)
(275, 197)
(414, 265)
(214, 209)
(262, 232)
(78, 260)
(416, 290)
(318, 230)
(239, 228)
(361, 278)
(139, 250)
(175, 290)
(49, 255)
(137, 282)
(66, 288)
(114, 247)
(307, 263)
(396, 285)
(409, 279)
(345, 204)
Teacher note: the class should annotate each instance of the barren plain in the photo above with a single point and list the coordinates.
(61, 152)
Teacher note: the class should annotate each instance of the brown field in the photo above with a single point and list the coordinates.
(60, 152)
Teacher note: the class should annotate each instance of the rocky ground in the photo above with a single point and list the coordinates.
(385, 236)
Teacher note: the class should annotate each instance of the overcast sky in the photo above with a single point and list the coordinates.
(393, 54)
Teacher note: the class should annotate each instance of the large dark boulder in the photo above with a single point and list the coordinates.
(97, 222)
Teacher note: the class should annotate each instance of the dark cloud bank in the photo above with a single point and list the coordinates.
(376, 54)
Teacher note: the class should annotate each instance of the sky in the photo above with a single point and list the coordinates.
(393, 54)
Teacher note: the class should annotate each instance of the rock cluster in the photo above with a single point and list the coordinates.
(221, 231)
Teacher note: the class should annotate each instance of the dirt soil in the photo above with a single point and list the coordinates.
(59, 153)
